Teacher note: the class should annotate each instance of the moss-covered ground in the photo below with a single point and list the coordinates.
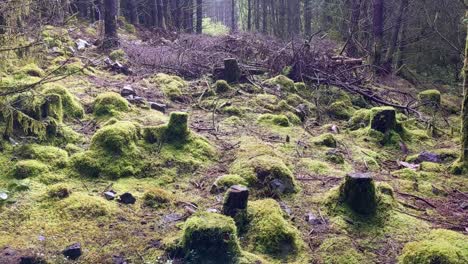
(55, 185)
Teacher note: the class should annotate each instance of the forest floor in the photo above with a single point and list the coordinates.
(252, 125)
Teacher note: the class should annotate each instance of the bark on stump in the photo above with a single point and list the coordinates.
(232, 72)
(236, 199)
(383, 120)
(358, 192)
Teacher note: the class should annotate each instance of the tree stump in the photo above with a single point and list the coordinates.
(232, 72)
(383, 119)
(177, 129)
(236, 199)
(358, 192)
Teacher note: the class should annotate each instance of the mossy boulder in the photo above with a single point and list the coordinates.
(266, 173)
(223, 183)
(210, 238)
(170, 85)
(71, 106)
(278, 120)
(82, 205)
(327, 140)
(157, 197)
(48, 154)
(430, 99)
(342, 110)
(29, 168)
(221, 86)
(360, 119)
(115, 138)
(440, 246)
(117, 55)
(110, 104)
(268, 232)
(282, 82)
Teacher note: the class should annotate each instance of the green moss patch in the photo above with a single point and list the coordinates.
(327, 140)
(269, 233)
(82, 205)
(157, 197)
(71, 106)
(170, 85)
(210, 238)
(283, 82)
(340, 250)
(48, 154)
(440, 246)
(278, 120)
(221, 86)
(29, 168)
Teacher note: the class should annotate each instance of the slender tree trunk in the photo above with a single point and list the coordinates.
(378, 24)
(249, 15)
(133, 11)
(199, 16)
(265, 16)
(233, 16)
(160, 13)
(464, 118)
(352, 49)
(388, 65)
(110, 24)
(308, 17)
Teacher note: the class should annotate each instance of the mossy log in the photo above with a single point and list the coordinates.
(236, 199)
(358, 192)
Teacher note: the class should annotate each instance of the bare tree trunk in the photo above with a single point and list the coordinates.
(388, 65)
(308, 17)
(199, 16)
(265, 16)
(352, 49)
(133, 11)
(111, 39)
(378, 23)
(233, 16)
(249, 15)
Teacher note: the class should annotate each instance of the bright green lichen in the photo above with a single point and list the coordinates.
(170, 85)
(156, 198)
(109, 103)
(268, 232)
(279, 120)
(71, 106)
(441, 246)
(210, 238)
(29, 168)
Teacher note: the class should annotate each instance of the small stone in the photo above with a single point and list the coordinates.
(429, 157)
(158, 107)
(3, 196)
(82, 44)
(127, 198)
(212, 210)
(110, 195)
(277, 186)
(302, 111)
(139, 100)
(172, 217)
(127, 90)
(31, 260)
(464, 206)
(312, 219)
(72, 252)
(285, 208)
(119, 260)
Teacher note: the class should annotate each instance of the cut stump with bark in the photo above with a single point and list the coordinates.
(236, 199)
(358, 192)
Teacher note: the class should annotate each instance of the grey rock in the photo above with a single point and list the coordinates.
(313, 219)
(73, 252)
(277, 186)
(82, 44)
(127, 198)
(158, 107)
(110, 195)
(429, 157)
(127, 90)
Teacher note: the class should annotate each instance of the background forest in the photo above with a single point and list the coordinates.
(234, 131)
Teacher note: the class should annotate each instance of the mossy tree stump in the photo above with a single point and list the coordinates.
(358, 192)
(430, 99)
(232, 72)
(177, 129)
(236, 199)
(383, 119)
